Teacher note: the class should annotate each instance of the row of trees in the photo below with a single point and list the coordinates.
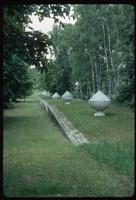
(25, 48)
(97, 51)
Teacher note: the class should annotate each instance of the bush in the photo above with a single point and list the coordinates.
(125, 93)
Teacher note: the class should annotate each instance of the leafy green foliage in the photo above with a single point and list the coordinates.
(98, 50)
(16, 79)
(37, 44)
(37, 79)
(58, 75)
(22, 49)
(52, 10)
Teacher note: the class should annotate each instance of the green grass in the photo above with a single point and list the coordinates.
(119, 121)
(39, 161)
(111, 137)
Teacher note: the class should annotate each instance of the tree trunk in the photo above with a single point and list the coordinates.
(92, 71)
(99, 69)
(107, 64)
(113, 81)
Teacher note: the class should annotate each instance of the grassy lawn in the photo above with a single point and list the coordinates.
(40, 161)
(111, 137)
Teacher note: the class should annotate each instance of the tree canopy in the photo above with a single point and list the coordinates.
(97, 51)
(23, 49)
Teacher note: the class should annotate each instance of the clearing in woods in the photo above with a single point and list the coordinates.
(40, 161)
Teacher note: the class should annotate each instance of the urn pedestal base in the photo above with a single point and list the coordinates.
(67, 102)
(99, 114)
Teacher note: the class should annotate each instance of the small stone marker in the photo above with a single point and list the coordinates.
(99, 102)
(55, 96)
(67, 96)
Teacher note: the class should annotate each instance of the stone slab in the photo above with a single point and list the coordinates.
(74, 135)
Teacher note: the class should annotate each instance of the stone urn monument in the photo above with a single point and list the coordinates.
(55, 96)
(99, 102)
(67, 96)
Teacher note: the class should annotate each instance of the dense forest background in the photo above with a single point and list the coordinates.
(97, 52)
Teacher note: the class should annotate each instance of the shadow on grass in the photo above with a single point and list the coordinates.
(16, 121)
(19, 104)
(27, 101)
(10, 121)
(109, 114)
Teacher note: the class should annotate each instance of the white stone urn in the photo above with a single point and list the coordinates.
(55, 96)
(67, 96)
(77, 85)
(99, 102)
(46, 94)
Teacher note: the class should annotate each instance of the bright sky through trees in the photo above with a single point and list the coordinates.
(97, 50)
(46, 25)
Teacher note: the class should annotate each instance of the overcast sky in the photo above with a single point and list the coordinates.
(46, 25)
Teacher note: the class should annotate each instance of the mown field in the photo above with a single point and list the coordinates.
(111, 137)
(38, 160)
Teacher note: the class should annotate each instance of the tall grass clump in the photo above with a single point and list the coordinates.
(118, 156)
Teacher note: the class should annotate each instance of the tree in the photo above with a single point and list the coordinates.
(21, 48)
(16, 79)
(14, 69)
(62, 69)
(98, 50)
